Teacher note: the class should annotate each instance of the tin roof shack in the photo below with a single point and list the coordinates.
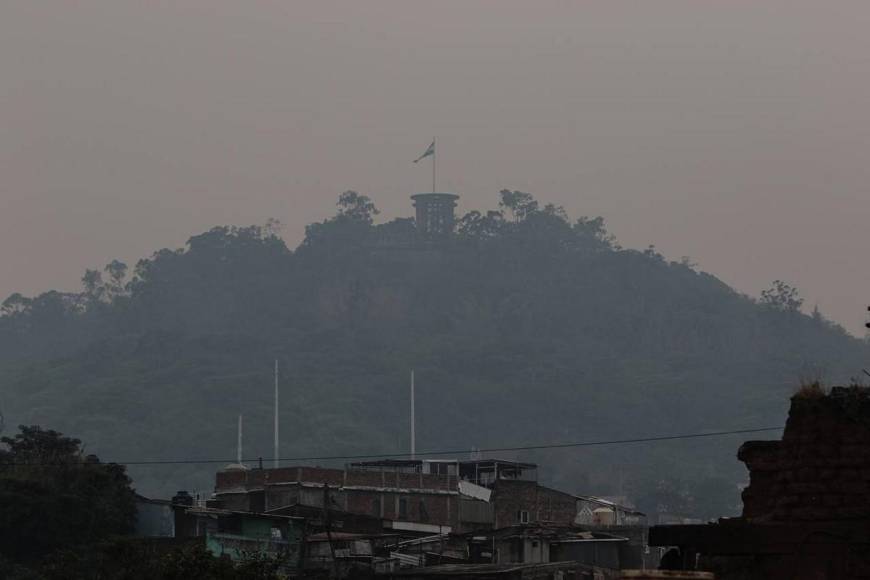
(594, 548)
(240, 534)
(806, 512)
(600, 512)
(537, 544)
(344, 555)
(431, 550)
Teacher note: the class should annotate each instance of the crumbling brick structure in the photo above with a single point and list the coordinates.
(806, 511)
(820, 470)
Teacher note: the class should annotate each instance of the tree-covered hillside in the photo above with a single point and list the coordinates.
(525, 328)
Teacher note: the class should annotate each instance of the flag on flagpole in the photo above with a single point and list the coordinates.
(429, 151)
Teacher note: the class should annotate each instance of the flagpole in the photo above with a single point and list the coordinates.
(434, 149)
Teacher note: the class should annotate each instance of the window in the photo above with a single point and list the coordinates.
(424, 513)
(523, 516)
(376, 507)
(403, 507)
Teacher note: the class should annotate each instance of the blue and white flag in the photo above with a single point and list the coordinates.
(429, 151)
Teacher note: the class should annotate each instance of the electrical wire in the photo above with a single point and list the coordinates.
(653, 439)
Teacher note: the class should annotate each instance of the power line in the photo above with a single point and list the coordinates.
(449, 452)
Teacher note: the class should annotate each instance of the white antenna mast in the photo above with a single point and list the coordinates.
(276, 414)
(239, 448)
(413, 430)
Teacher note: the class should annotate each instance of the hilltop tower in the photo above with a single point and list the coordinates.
(435, 218)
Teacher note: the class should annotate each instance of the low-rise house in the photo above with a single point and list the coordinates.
(239, 535)
(601, 512)
(415, 503)
(541, 544)
(421, 497)
(342, 555)
(431, 550)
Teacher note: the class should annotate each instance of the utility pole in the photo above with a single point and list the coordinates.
(413, 426)
(276, 415)
(327, 523)
(239, 445)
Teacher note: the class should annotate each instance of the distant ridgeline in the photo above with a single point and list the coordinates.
(523, 327)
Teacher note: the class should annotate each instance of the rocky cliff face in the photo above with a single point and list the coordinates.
(820, 470)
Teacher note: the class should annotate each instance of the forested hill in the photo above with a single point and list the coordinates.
(526, 328)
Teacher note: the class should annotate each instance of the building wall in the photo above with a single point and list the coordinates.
(604, 554)
(393, 495)
(256, 537)
(820, 470)
(411, 497)
(542, 503)
(226, 481)
(154, 519)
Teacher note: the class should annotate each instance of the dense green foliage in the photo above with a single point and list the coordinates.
(52, 496)
(526, 328)
(136, 559)
(66, 516)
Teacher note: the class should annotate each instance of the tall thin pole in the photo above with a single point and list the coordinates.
(434, 152)
(413, 433)
(276, 414)
(239, 447)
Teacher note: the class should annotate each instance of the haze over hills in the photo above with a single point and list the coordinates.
(528, 327)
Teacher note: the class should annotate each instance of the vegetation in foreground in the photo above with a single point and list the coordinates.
(66, 516)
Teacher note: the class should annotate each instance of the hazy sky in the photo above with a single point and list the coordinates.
(732, 132)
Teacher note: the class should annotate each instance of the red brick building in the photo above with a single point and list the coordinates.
(431, 500)
(427, 496)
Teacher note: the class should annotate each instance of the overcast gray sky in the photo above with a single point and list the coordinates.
(734, 132)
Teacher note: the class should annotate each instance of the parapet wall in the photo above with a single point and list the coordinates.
(257, 478)
(820, 470)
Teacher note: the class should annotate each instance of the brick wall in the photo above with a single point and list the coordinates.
(380, 499)
(820, 470)
(225, 480)
(542, 503)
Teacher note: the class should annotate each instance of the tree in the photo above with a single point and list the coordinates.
(356, 207)
(519, 203)
(130, 559)
(92, 282)
(592, 232)
(53, 496)
(15, 304)
(782, 297)
(117, 272)
(475, 225)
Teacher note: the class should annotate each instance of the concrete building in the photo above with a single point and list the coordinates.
(421, 496)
